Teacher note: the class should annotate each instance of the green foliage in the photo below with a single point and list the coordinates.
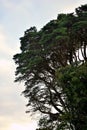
(73, 80)
(54, 74)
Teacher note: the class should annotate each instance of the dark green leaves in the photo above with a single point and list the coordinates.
(54, 74)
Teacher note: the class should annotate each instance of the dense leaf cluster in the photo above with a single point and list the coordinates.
(53, 65)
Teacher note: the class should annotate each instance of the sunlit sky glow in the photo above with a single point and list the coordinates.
(15, 17)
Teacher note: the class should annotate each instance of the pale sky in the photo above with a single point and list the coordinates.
(15, 17)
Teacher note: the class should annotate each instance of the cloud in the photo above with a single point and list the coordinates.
(15, 6)
(11, 123)
(4, 42)
(30, 126)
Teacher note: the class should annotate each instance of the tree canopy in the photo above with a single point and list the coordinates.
(53, 65)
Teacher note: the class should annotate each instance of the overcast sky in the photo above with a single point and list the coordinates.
(15, 17)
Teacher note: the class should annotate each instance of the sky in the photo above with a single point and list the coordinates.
(15, 17)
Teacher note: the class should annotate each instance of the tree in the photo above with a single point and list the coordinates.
(73, 80)
(43, 54)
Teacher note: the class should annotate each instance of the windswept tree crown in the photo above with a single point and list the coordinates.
(53, 63)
